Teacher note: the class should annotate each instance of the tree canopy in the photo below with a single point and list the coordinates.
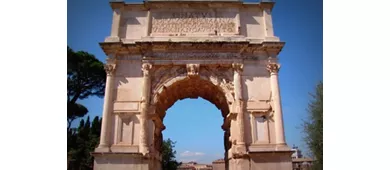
(75, 111)
(168, 155)
(86, 77)
(313, 128)
(81, 142)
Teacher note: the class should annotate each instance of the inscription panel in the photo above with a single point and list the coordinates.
(175, 56)
(205, 21)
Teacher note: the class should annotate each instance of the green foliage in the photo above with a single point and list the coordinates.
(81, 142)
(86, 77)
(313, 128)
(75, 111)
(168, 155)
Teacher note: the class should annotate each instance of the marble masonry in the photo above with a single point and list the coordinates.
(163, 51)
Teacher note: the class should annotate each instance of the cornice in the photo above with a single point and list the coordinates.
(147, 5)
(147, 48)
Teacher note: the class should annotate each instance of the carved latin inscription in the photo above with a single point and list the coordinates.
(192, 22)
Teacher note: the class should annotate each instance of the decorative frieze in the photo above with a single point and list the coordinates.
(198, 56)
(162, 74)
(190, 47)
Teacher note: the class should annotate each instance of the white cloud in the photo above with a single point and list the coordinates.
(190, 154)
(199, 153)
(187, 160)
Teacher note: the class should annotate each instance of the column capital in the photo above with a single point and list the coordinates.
(146, 67)
(238, 67)
(110, 69)
(273, 67)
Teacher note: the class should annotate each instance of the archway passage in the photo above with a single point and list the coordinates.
(191, 87)
(194, 124)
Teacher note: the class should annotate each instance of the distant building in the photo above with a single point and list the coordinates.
(297, 153)
(302, 163)
(194, 166)
(219, 164)
(298, 161)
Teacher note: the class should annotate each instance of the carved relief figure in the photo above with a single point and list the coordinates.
(162, 74)
(192, 69)
(146, 68)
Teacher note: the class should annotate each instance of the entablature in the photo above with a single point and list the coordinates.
(156, 4)
(165, 50)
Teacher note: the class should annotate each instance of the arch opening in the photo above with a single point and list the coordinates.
(191, 122)
(191, 87)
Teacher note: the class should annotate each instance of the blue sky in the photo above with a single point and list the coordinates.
(191, 121)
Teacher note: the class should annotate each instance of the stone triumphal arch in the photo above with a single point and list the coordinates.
(163, 51)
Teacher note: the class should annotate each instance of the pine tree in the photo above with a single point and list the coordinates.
(85, 77)
(82, 142)
(93, 142)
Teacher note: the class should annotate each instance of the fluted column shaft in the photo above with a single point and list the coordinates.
(105, 129)
(273, 68)
(143, 143)
(148, 23)
(237, 80)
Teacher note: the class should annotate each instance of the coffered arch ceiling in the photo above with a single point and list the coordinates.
(191, 87)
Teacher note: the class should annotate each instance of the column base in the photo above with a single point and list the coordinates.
(123, 161)
(124, 148)
(269, 148)
(282, 147)
(102, 149)
(280, 160)
(239, 163)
